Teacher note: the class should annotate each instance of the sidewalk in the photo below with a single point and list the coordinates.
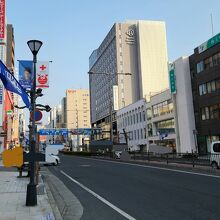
(13, 198)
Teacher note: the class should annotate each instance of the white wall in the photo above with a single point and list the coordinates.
(153, 59)
(184, 104)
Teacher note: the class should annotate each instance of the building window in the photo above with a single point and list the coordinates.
(200, 67)
(208, 63)
(141, 134)
(135, 135)
(144, 116)
(140, 117)
(138, 134)
(209, 87)
(211, 112)
(137, 117)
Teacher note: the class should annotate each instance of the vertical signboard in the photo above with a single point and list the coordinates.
(42, 77)
(172, 78)
(115, 97)
(2, 20)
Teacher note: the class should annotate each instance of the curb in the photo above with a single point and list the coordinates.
(63, 202)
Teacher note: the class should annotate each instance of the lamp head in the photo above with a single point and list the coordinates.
(34, 46)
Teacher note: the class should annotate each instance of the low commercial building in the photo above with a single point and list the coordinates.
(166, 118)
(161, 120)
(131, 122)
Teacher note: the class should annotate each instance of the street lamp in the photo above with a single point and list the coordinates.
(31, 196)
(110, 105)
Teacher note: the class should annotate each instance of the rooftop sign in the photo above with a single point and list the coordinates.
(210, 43)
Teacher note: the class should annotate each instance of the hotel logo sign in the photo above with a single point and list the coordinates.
(130, 38)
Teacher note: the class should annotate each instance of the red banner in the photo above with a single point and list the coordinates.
(2, 19)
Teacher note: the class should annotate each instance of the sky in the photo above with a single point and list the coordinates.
(72, 29)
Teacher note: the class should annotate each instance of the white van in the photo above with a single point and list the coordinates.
(51, 154)
(215, 155)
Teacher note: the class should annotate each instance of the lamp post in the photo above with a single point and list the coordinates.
(110, 104)
(31, 196)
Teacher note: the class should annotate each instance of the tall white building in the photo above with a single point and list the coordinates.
(136, 47)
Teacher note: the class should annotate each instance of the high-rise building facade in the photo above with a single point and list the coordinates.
(136, 47)
(205, 75)
(76, 109)
(10, 120)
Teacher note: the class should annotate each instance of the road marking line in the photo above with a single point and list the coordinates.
(153, 167)
(121, 212)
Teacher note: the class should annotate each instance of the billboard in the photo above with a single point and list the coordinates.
(42, 77)
(26, 73)
(2, 20)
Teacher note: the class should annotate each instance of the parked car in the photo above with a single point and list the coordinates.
(215, 155)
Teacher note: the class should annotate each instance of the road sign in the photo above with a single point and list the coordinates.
(38, 115)
(42, 75)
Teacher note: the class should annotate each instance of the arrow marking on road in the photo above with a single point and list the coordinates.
(121, 212)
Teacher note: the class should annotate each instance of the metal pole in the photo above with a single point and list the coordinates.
(31, 196)
(110, 106)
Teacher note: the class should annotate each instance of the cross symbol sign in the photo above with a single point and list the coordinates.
(43, 67)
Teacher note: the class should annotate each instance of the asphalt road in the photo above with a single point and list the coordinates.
(141, 192)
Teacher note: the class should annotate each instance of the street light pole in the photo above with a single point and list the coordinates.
(31, 196)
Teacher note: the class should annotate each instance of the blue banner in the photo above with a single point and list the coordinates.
(26, 73)
(12, 85)
(53, 131)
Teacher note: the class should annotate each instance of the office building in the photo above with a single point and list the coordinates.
(76, 109)
(205, 75)
(136, 47)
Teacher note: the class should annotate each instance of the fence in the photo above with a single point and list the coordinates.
(181, 158)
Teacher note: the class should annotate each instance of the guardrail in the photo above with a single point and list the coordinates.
(181, 158)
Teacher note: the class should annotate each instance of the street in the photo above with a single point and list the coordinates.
(113, 190)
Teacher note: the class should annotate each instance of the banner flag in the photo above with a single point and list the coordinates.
(26, 73)
(11, 84)
(42, 77)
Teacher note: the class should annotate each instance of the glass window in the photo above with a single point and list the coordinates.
(201, 89)
(149, 113)
(207, 112)
(135, 135)
(144, 117)
(214, 111)
(203, 114)
(213, 86)
(209, 89)
(137, 117)
(208, 63)
(140, 117)
(200, 67)
(216, 147)
(218, 84)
